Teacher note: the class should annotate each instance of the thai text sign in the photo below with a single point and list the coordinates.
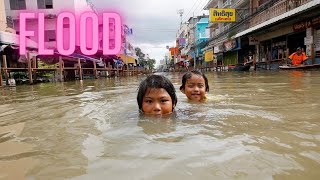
(222, 15)
(303, 25)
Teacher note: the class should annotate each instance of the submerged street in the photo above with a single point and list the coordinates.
(255, 125)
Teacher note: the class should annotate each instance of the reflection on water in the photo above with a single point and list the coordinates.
(259, 125)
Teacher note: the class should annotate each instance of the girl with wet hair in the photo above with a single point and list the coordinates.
(195, 86)
(156, 96)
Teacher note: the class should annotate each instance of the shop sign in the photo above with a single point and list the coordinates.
(218, 48)
(308, 40)
(229, 45)
(303, 25)
(222, 15)
(315, 22)
(182, 41)
(309, 50)
(309, 32)
(253, 41)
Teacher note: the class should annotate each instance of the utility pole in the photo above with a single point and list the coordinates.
(180, 12)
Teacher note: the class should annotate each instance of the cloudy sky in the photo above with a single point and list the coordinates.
(154, 22)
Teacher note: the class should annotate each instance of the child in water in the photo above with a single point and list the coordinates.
(195, 86)
(156, 96)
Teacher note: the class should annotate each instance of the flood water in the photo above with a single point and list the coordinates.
(255, 125)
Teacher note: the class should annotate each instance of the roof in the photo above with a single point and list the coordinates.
(203, 21)
(13, 39)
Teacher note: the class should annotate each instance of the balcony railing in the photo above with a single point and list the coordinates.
(277, 9)
(237, 3)
(226, 3)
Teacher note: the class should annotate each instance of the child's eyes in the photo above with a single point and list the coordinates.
(148, 101)
(164, 100)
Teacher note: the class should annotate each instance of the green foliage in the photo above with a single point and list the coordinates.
(150, 63)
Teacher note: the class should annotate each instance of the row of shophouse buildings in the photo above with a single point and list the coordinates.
(265, 32)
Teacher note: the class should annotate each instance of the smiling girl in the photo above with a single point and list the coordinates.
(195, 86)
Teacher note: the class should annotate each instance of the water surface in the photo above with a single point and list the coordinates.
(257, 125)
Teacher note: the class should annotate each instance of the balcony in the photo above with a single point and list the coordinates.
(211, 4)
(276, 9)
(226, 28)
(238, 3)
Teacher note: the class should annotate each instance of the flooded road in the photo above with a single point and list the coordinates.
(257, 125)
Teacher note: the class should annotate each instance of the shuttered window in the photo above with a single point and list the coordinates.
(17, 4)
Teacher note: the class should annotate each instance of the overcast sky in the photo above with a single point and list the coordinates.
(154, 22)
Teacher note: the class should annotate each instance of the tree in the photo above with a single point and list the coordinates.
(151, 63)
(141, 55)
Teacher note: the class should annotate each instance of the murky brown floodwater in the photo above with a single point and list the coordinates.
(263, 125)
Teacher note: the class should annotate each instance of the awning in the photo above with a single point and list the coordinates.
(208, 56)
(281, 17)
(13, 39)
(130, 59)
(81, 56)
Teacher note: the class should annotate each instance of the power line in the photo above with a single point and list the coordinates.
(186, 16)
(201, 5)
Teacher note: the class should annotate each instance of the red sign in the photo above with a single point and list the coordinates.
(303, 25)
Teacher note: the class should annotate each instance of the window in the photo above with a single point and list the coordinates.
(17, 4)
(45, 4)
(49, 35)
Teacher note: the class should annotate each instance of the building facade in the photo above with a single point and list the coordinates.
(226, 50)
(267, 30)
(278, 28)
(191, 38)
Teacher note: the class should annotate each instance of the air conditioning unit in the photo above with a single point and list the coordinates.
(50, 16)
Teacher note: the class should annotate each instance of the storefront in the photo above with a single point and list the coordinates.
(248, 49)
(230, 55)
(218, 54)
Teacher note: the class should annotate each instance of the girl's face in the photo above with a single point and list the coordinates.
(157, 102)
(195, 88)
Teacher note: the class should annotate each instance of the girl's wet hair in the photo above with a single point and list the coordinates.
(156, 81)
(188, 75)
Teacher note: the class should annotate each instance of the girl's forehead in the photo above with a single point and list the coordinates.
(156, 91)
(196, 77)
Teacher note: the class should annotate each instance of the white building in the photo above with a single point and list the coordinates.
(51, 8)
